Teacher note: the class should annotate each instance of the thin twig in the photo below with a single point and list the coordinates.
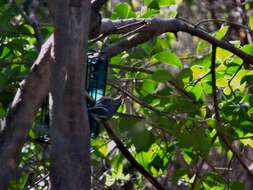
(213, 74)
(148, 71)
(233, 24)
(229, 166)
(130, 68)
(195, 82)
(136, 99)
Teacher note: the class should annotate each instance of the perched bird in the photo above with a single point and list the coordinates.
(105, 108)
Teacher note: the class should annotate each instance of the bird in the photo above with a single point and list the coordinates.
(105, 108)
(102, 110)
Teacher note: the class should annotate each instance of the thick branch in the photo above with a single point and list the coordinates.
(22, 112)
(155, 27)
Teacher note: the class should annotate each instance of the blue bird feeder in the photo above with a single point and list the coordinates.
(96, 76)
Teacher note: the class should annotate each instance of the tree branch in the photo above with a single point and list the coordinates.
(22, 112)
(233, 24)
(155, 27)
(129, 156)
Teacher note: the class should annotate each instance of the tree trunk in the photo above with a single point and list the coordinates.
(70, 166)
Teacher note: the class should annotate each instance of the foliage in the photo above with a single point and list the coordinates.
(170, 142)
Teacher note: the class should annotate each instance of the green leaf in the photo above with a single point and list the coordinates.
(185, 75)
(247, 78)
(18, 44)
(196, 139)
(168, 123)
(147, 2)
(202, 47)
(149, 13)
(117, 162)
(214, 181)
(128, 124)
(203, 61)
(161, 75)
(100, 147)
(157, 163)
(251, 20)
(248, 48)
(168, 58)
(122, 10)
(222, 32)
(3, 2)
(237, 186)
(138, 53)
(149, 86)
(197, 90)
(154, 5)
(116, 59)
(143, 140)
(2, 111)
(179, 173)
(198, 72)
(164, 3)
(223, 54)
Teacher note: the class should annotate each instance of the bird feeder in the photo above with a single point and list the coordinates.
(96, 75)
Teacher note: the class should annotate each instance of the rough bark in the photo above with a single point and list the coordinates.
(70, 135)
(22, 112)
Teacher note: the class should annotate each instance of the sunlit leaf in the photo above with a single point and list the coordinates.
(222, 32)
(164, 3)
(168, 58)
(248, 48)
(251, 20)
(223, 54)
(149, 86)
(122, 10)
